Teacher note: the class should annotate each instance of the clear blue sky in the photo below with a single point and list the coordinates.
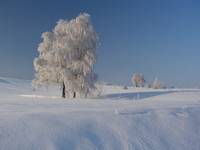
(155, 37)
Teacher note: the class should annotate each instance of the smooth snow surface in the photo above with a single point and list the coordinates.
(133, 119)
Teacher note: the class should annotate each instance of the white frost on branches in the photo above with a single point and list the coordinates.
(157, 84)
(138, 80)
(67, 55)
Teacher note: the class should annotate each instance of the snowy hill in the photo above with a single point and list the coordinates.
(119, 119)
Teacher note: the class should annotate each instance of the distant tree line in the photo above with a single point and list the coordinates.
(138, 80)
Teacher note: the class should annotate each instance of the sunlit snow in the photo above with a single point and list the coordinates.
(136, 118)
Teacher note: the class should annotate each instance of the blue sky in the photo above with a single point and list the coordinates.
(157, 38)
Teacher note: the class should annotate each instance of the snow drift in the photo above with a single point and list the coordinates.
(120, 119)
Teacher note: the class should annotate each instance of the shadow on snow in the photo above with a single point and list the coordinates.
(134, 95)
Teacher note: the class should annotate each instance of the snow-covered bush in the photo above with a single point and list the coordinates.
(125, 87)
(138, 80)
(157, 84)
(98, 90)
(67, 55)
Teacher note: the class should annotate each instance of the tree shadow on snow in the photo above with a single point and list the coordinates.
(134, 95)
(4, 81)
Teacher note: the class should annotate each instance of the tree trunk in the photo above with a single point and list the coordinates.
(63, 90)
(74, 95)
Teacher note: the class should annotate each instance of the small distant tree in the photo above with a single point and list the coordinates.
(66, 56)
(138, 80)
(157, 84)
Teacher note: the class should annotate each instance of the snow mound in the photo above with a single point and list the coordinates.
(119, 120)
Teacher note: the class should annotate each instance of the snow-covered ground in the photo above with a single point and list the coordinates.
(119, 119)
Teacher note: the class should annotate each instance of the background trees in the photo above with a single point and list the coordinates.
(157, 84)
(138, 80)
(67, 55)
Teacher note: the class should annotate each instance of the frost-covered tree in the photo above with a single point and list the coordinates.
(67, 55)
(138, 80)
(157, 84)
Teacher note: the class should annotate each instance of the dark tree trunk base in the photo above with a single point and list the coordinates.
(74, 95)
(63, 90)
